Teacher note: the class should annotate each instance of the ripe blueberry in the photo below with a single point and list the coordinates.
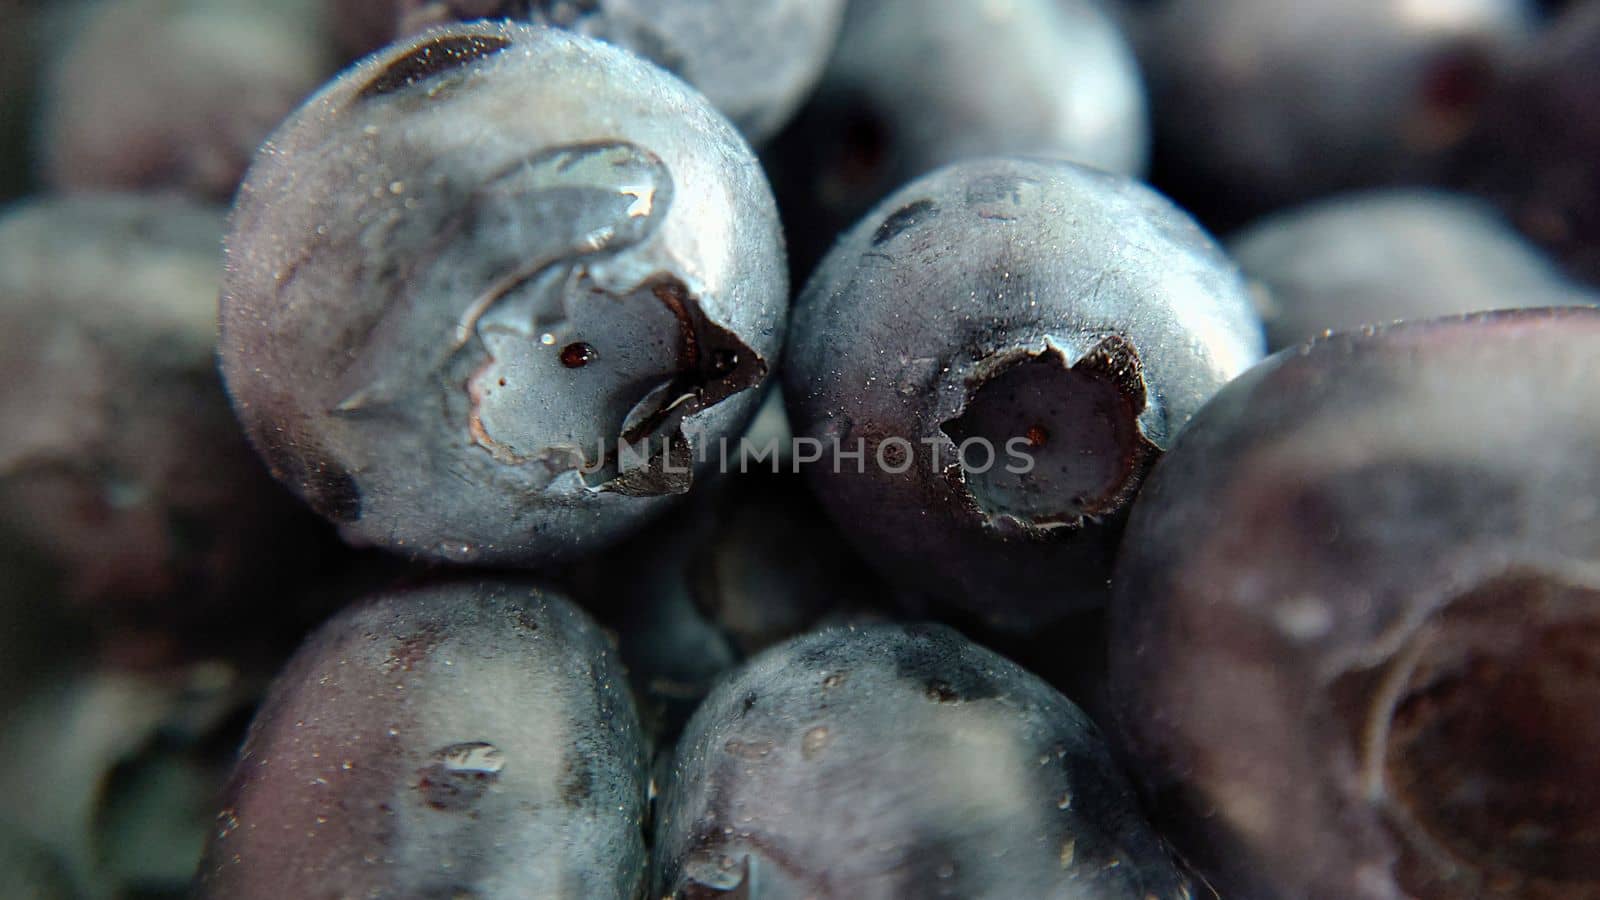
(1354, 639)
(1009, 343)
(466, 739)
(890, 761)
(476, 266)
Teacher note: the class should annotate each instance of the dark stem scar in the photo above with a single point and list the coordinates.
(1078, 424)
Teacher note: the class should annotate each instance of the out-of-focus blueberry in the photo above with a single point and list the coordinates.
(478, 264)
(123, 477)
(468, 739)
(755, 60)
(1536, 152)
(918, 84)
(115, 774)
(1262, 103)
(891, 761)
(1011, 343)
(174, 94)
(1354, 640)
(1382, 256)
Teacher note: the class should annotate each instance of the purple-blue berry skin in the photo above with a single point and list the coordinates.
(899, 761)
(1353, 639)
(1065, 317)
(920, 84)
(755, 60)
(1259, 104)
(1380, 256)
(477, 263)
(465, 739)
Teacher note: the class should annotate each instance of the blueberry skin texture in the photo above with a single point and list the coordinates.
(1380, 256)
(899, 761)
(1259, 104)
(755, 60)
(1352, 641)
(1104, 313)
(124, 480)
(440, 306)
(465, 739)
(164, 95)
(1537, 144)
(919, 84)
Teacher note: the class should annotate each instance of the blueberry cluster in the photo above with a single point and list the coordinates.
(800, 449)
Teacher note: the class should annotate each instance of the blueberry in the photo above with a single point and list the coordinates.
(755, 60)
(1354, 634)
(157, 94)
(466, 739)
(1378, 256)
(918, 84)
(113, 774)
(1049, 326)
(445, 314)
(1536, 151)
(893, 761)
(124, 482)
(1260, 103)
